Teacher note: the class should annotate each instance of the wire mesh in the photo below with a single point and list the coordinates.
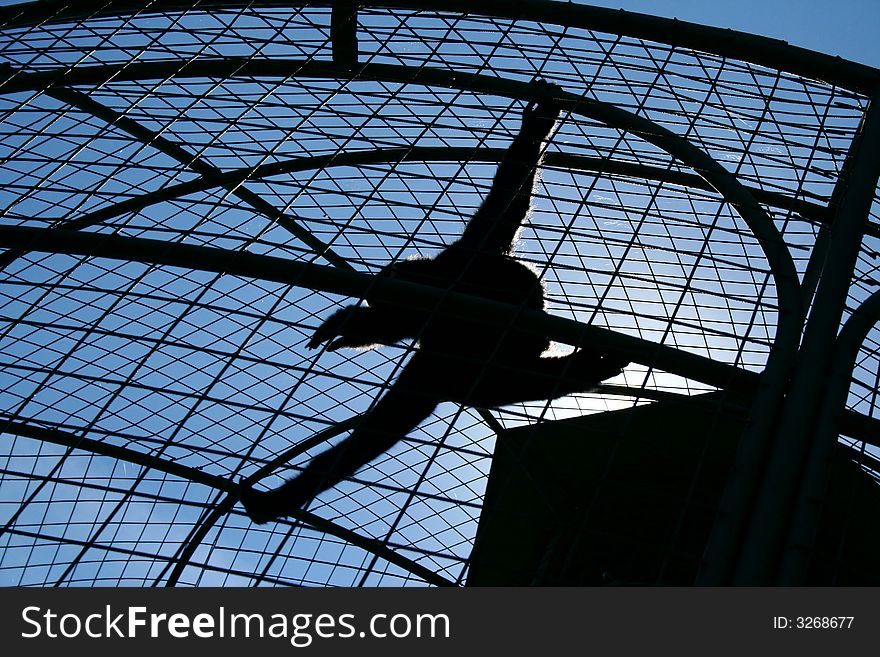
(109, 126)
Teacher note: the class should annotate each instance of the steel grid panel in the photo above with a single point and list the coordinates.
(136, 393)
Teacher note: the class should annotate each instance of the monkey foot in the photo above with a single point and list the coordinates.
(615, 363)
(266, 506)
(599, 366)
(261, 507)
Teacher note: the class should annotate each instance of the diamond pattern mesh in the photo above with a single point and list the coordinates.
(209, 372)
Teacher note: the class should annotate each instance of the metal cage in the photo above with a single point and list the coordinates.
(187, 187)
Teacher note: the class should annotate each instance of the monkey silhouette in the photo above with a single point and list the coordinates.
(466, 361)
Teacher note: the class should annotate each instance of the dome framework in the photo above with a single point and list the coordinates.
(188, 188)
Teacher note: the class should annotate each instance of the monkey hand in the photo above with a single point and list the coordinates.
(336, 330)
(540, 116)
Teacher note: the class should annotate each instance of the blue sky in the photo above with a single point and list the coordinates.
(847, 28)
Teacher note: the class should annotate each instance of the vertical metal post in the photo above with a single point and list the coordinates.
(343, 33)
(767, 466)
(721, 553)
(805, 522)
(796, 439)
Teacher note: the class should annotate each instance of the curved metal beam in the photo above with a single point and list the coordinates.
(849, 341)
(356, 284)
(603, 166)
(773, 53)
(855, 331)
(225, 505)
(784, 305)
(761, 499)
(420, 297)
(59, 437)
(719, 178)
(112, 549)
(805, 520)
(795, 472)
(173, 150)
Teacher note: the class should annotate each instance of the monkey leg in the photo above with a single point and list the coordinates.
(533, 379)
(397, 413)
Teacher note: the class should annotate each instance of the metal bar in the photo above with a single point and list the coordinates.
(355, 284)
(773, 53)
(753, 480)
(603, 166)
(861, 427)
(371, 545)
(719, 178)
(343, 33)
(852, 336)
(796, 439)
(801, 537)
(83, 102)
(112, 549)
(394, 291)
(781, 359)
(225, 505)
(59, 437)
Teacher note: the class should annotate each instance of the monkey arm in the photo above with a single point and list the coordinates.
(494, 226)
(356, 326)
